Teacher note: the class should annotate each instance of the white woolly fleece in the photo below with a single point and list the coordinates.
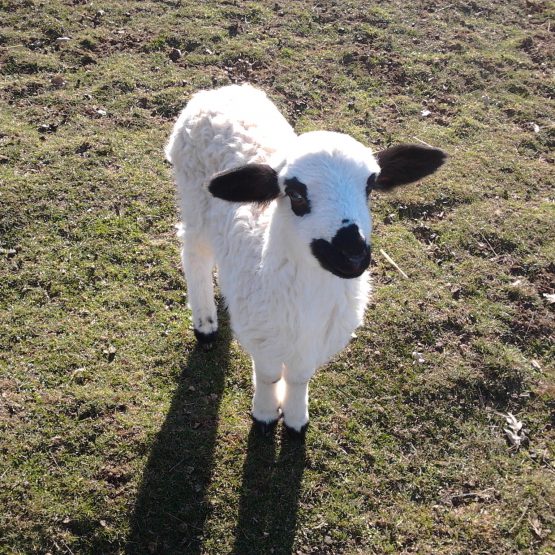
(288, 312)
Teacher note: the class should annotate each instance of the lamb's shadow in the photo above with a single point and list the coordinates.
(171, 508)
(269, 496)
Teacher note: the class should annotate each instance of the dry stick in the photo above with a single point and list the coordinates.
(489, 244)
(423, 142)
(67, 546)
(55, 461)
(519, 518)
(393, 263)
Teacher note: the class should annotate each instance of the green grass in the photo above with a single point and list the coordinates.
(118, 436)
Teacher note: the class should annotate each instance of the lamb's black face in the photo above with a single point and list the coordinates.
(346, 256)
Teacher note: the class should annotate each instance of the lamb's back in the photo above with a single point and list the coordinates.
(225, 128)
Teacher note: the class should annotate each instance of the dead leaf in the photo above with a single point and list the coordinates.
(536, 527)
(418, 358)
(514, 432)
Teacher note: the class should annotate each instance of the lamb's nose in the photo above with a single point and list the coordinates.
(352, 245)
(358, 259)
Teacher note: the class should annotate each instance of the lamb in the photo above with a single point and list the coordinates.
(285, 219)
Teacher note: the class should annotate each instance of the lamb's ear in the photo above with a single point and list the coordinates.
(250, 183)
(403, 164)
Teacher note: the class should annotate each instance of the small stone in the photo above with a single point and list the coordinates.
(536, 365)
(58, 81)
(456, 292)
(175, 54)
(47, 128)
(56, 440)
(110, 353)
(78, 375)
(425, 113)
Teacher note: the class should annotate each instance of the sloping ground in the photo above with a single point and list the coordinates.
(118, 436)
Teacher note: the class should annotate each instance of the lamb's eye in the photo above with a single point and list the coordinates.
(295, 196)
(370, 183)
(298, 194)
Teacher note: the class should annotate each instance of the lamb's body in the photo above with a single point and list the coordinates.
(285, 309)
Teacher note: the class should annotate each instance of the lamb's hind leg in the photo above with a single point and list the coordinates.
(198, 262)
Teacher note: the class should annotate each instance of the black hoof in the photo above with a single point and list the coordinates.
(294, 434)
(265, 429)
(206, 340)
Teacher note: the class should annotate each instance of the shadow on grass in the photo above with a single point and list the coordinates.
(269, 496)
(171, 507)
(171, 510)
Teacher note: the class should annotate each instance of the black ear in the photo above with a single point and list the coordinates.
(250, 183)
(406, 163)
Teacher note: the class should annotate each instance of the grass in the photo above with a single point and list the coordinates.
(118, 436)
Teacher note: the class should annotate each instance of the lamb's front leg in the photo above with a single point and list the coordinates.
(295, 400)
(265, 403)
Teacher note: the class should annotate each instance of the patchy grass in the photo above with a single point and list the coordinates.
(118, 436)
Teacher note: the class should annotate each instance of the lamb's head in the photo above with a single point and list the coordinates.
(322, 186)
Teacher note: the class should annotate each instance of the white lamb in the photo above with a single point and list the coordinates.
(285, 219)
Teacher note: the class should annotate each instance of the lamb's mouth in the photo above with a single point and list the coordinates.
(336, 262)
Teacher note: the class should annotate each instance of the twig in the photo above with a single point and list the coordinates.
(445, 8)
(175, 465)
(393, 263)
(423, 142)
(489, 244)
(176, 518)
(529, 324)
(525, 510)
(66, 546)
(55, 461)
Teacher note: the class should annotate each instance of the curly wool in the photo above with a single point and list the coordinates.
(289, 313)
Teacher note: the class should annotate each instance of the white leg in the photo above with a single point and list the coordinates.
(266, 401)
(295, 401)
(198, 262)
